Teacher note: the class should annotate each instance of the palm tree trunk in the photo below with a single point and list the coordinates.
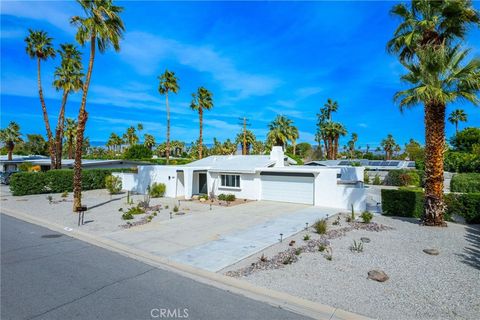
(59, 132)
(70, 147)
(434, 149)
(168, 128)
(10, 147)
(294, 144)
(82, 121)
(200, 137)
(456, 127)
(45, 117)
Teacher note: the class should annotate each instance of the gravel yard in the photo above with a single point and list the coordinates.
(420, 286)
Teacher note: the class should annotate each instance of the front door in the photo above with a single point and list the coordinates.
(202, 183)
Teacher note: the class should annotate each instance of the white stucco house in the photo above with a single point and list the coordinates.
(273, 177)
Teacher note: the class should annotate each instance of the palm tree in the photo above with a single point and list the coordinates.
(202, 100)
(39, 46)
(423, 43)
(457, 116)
(70, 132)
(102, 27)
(388, 144)
(351, 144)
(130, 136)
(149, 141)
(278, 135)
(246, 138)
(168, 83)
(10, 136)
(293, 135)
(68, 77)
(330, 107)
(114, 141)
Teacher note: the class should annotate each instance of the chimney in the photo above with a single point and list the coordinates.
(278, 156)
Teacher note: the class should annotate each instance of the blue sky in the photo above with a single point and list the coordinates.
(259, 59)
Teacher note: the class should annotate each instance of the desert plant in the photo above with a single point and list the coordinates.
(127, 216)
(175, 209)
(157, 190)
(135, 210)
(64, 194)
(50, 199)
(366, 216)
(321, 247)
(376, 180)
(113, 184)
(352, 216)
(356, 246)
(298, 251)
(337, 221)
(263, 258)
(320, 226)
(306, 237)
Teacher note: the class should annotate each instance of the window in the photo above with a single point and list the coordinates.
(230, 180)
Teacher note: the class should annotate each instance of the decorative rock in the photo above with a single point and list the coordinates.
(433, 252)
(291, 243)
(202, 200)
(365, 239)
(195, 197)
(377, 275)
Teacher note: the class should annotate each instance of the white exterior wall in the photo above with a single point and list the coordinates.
(330, 194)
(249, 186)
(351, 173)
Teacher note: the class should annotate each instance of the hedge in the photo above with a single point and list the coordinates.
(403, 203)
(466, 205)
(403, 177)
(56, 181)
(461, 162)
(465, 182)
(409, 203)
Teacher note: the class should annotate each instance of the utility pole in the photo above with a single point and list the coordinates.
(244, 124)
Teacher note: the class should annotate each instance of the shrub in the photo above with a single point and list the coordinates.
(127, 216)
(113, 184)
(461, 162)
(135, 210)
(25, 166)
(366, 216)
(138, 151)
(295, 157)
(366, 178)
(376, 180)
(465, 182)
(175, 208)
(466, 205)
(402, 178)
(403, 202)
(226, 197)
(356, 246)
(306, 237)
(157, 190)
(320, 226)
(203, 196)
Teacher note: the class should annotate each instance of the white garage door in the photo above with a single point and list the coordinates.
(287, 188)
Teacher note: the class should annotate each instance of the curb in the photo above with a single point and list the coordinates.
(274, 298)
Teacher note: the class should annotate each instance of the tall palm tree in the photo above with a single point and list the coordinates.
(68, 77)
(338, 131)
(10, 136)
(70, 132)
(457, 116)
(168, 83)
(279, 134)
(248, 137)
(202, 100)
(330, 107)
(423, 41)
(39, 46)
(148, 141)
(102, 27)
(388, 144)
(293, 136)
(130, 136)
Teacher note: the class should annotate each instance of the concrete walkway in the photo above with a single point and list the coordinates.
(218, 254)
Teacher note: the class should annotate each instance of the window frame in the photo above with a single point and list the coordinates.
(224, 181)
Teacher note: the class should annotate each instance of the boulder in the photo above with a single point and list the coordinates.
(365, 239)
(195, 197)
(202, 200)
(433, 252)
(377, 275)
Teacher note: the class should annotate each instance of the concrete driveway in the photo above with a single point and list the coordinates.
(219, 238)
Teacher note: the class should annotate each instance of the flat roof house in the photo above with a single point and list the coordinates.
(273, 177)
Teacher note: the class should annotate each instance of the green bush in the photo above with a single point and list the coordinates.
(138, 151)
(466, 205)
(226, 197)
(366, 178)
(56, 181)
(127, 216)
(113, 184)
(366, 216)
(295, 157)
(25, 166)
(402, 178)
(157, 190)
(320, 226)
(135, 210)
(376, 180)
(461, 162)
(465, 182)
(403, 202)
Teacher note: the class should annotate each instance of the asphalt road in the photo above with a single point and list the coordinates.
(47, 275)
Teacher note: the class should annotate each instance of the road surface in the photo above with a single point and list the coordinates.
(47, 275)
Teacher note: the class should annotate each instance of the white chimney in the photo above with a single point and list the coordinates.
(278, 156)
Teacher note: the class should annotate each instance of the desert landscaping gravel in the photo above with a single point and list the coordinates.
(420, 286)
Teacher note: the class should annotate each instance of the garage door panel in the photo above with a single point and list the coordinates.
(287, 189)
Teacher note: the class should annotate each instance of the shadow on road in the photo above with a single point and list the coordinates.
(471, 254)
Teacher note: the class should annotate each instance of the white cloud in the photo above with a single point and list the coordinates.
(362, 125)
(54, 13)
(145, 52)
